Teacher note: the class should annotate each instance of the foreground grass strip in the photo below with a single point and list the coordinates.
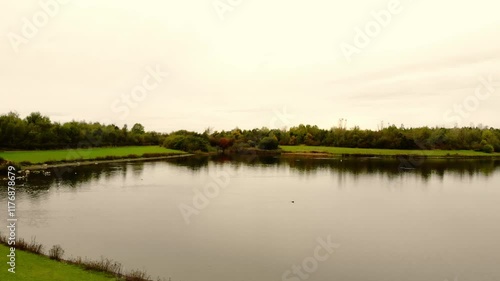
(385, 152)
(42, 156)
(40, 268)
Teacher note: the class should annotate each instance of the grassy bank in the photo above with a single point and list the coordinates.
(36, 267)
(32, 263)
(385, 152)
(99, 153)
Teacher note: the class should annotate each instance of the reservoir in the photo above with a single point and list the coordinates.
(273, 218)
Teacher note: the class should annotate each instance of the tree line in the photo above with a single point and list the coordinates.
(38, 132)
(466, 138)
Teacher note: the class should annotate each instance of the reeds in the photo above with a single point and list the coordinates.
(103, 265)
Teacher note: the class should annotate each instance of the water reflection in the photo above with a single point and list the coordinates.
(38, 184)
(391, 167)
(194, 163)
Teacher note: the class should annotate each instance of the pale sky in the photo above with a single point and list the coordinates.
(252, 63)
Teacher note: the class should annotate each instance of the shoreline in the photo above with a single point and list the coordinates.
(96, 162)
(374, 156)
(76, 267)
(306, 154)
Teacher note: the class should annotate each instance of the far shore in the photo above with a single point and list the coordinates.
(374, 156)
(283, 154)
(96, 162)
(327, 151)
(36, 160)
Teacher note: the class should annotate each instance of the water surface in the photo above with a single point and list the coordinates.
(438, 221)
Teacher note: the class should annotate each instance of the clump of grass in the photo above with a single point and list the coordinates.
(56, 252)
(104, 265)
(32, 247)
(137, 275)
(109, 266)
(4, 165)
(3, 240)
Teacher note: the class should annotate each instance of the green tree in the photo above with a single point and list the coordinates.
(268, 143)
(137, 129)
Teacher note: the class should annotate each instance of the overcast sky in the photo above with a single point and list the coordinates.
(252, 63)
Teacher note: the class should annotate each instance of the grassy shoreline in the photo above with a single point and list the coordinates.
(93, 162)
(346, 152)
(32, 263)
(31, 266)
(97, 153)
(41, 159)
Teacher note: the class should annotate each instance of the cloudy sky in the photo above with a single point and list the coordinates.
(252, 63)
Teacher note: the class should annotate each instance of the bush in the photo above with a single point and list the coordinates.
(137, 275)
(488, 148)
(32, 247)
(251, 143)
(56, 252)
(189, 143)
(268, 143)
(104, 265)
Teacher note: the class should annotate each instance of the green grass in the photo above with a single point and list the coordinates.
(384, 152)
(42, 156)
(34, 267)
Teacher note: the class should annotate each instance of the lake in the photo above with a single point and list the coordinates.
(271, 218)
